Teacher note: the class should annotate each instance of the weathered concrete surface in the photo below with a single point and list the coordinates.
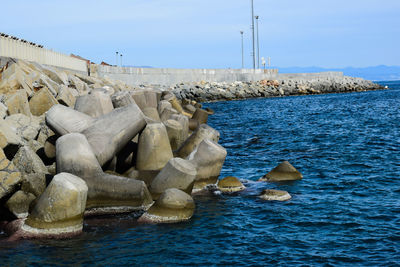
(283, 172)
(173, 206)
(107, 193)
(275, 195)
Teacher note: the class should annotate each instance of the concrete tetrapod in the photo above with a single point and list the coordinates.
(202, 132)
(94, 104)
(121, 99)
(58, 212)
(283, 172)
(173, 206)
(111, 132)
(65, 120)
(184, 121)
(230, 184)
(208, 159)
(175, 132)
(200, 115)
(178, 173)
(107, 193)
(154, 150)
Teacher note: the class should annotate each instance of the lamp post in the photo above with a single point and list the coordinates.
(252, 29)
(258, 45)
(241, 33)
(116, 59)
(121, 60)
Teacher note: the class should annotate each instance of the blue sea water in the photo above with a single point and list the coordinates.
(346, 210)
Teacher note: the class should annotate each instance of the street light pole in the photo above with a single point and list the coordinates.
(241, 33)
(116, 59)
(252, 29)
(121, 60)
(258, 45)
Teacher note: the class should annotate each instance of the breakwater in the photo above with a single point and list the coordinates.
(74, 146)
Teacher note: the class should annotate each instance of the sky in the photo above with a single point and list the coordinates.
(206, 33)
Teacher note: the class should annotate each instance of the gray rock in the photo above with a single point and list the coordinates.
(10, 176)
(19, 203)
(277, 195)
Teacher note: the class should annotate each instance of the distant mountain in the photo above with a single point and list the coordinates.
(376, 73)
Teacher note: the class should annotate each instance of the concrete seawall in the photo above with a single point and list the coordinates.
(167, 77)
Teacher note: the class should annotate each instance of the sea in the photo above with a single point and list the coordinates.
(344, 212)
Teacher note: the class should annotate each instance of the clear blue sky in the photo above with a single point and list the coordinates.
(205, 33)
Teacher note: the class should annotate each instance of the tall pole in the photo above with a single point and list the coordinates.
(258, 45)
(252, 29)
(241, 33)
(121, 60)
(116, 61)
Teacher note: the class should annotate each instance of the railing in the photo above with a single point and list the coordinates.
(23, 50)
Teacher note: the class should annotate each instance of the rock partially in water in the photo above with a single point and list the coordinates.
(283, 172)
(172, 206)
(58, 211)
(277, 195)
(208, 159)
(230, 185)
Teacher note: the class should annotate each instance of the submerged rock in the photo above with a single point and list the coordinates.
(230, 184)
(173, 206)
(278, 195)
(283, 172)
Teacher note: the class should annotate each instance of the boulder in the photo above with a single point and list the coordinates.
(109, 134)
(58, 212)
(24, 126)
(107, 193)
(191, 109)
(64, 120)
(19, 203)
(172, 206)
(3, 111)
(34, 183)
(9, 140)
(277, 195)
(283, 172)
(230, 184)
(177, 173)
(208, 159)
(202, 132)
(94, 104)
(18, 103)
(154, 150)
(27, 161)
(10, 177)
(41, 102)
(65, 96)
(175, 132)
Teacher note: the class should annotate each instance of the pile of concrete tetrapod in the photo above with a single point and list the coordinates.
(73, 146)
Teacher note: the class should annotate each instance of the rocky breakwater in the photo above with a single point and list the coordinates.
(206, 91)
(73, 146)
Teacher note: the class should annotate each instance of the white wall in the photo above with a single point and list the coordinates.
(25, 51)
